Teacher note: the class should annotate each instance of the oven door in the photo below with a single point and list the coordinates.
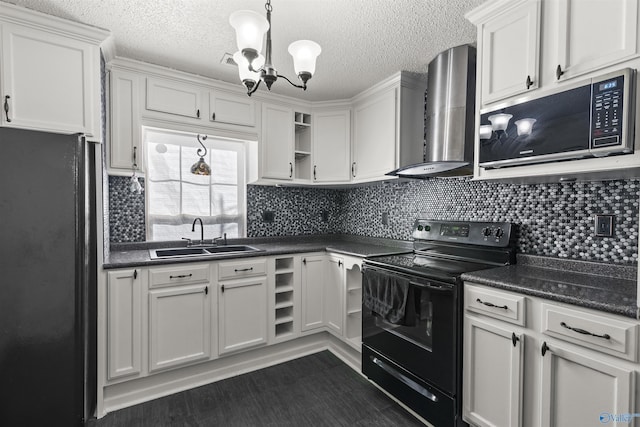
(425, 345)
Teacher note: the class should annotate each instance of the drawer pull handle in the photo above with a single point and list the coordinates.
(181, 276)
(237, 270)
(514, 338)
(583, 332)
(489, 304)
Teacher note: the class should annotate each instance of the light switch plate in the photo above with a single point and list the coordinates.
(604, 225)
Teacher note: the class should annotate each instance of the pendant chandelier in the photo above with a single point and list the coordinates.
(253, 67)
(201, 167)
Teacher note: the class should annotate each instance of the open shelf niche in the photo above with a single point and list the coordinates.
(284, 297)
(302, 122)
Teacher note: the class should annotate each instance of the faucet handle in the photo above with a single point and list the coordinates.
(189, 242)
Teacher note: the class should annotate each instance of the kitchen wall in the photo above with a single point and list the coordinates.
(553, 219)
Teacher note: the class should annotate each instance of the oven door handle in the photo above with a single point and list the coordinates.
(433, 288)
(407, 381)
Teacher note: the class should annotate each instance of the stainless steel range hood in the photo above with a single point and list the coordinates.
(449, 123)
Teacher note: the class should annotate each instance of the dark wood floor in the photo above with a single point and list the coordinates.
(316, 390)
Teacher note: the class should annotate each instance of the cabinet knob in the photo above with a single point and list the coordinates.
(353, 169)
(314, 172)
(290, 170)
(339, 263)
(213, 117)
(559, 72)
(529, 82)
(135, 274)
(514, 338)
(545, 348)
(198, 113)
(304, 261)
(6, 107)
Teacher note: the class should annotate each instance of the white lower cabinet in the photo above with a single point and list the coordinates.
(583, 390)
(312, 289)
(242, 314)
(179, 326)
(334, 287)
(579, 366)
(124, 323)
(493, 372)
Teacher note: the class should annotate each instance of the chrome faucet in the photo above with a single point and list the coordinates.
(193, 229)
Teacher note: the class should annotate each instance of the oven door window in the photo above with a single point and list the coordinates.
(418, 324)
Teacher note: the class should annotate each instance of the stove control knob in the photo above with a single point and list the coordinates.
(486, 231)
(420, 228)
(499, 232)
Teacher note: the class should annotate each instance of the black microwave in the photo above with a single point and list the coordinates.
(593, 118)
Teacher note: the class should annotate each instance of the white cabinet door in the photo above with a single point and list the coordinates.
(594, 34)
(577, 389)
(331, 146)
(334, 294)
(510, 57)
(232, 109)
(277, 143)
(179, 326)
(124, 323)
(49, 82)
(242, 314)
(173, 97)
(124, 141)
(375, 136)
(312, 291)
(492, 374)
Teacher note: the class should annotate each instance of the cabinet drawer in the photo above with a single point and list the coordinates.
(598, 332)
(169, 276)
(498, 304)
(242, 268)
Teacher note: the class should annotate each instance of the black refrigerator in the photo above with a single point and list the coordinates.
(47, 279)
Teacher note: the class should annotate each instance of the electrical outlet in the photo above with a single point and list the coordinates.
(385, 218)
(604, 225)
(268, 216)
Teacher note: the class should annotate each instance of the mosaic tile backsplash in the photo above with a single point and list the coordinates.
(553, 219)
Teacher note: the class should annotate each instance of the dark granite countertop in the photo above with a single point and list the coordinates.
(123, 255)
(599, 286)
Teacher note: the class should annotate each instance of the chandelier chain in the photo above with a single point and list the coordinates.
(268, 6)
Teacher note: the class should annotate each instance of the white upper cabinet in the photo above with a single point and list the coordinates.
(331, 146)
(232, 109)
(125, 146)
(277, 145)
(174, 97)
(374, 142)
(49, 73)
(594, 34)
(510, 52)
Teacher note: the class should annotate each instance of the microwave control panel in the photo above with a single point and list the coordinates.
(607, 102)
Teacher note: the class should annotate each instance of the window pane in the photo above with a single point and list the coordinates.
(225, 200)
(195, 199)
(164, 198)
(163, 165)
(224, 166)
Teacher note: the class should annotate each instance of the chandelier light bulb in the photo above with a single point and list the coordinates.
(304, 53)
(246, 75)
(250, 29)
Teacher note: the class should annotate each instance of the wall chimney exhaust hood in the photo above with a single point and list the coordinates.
(449, 121)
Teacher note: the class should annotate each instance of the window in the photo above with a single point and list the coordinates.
(175, 197)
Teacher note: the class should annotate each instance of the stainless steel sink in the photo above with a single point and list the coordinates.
(204, 251)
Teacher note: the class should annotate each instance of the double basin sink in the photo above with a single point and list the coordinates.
(206, 251)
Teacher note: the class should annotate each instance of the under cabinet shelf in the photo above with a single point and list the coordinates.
(354, 311)
(284, 304)
(288, 319)
(283, 289)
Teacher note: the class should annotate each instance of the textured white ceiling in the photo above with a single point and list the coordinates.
(363, 41)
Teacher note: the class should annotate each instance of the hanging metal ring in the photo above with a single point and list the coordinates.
(204, 137)
(268, 6)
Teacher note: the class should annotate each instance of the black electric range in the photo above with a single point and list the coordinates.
(412, 313)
